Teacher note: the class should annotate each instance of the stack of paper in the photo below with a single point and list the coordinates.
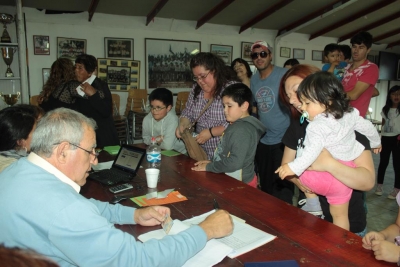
(243, 239)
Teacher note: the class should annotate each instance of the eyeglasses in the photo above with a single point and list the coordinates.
(262, 54)
(94, 154)
(156, 108)
(196, 78)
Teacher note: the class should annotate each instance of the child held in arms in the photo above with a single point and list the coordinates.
(334, 65)
(235, 153)
(161, 122)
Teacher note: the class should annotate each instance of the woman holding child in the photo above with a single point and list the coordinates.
(211, 77)
(360, 178)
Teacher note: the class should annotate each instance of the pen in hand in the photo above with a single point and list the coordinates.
(216, 206)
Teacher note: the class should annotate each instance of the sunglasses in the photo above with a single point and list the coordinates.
(262, 54)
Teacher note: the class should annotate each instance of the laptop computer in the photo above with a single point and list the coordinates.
(124, 168)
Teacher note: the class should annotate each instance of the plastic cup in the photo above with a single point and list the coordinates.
(152, 177)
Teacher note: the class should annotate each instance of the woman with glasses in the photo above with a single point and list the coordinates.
(211, 77)
(161, 122)
(17, 124)
(243, 71)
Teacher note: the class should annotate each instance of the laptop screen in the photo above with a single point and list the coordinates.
(129, 159)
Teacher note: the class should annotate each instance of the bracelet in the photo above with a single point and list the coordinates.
(212, 136)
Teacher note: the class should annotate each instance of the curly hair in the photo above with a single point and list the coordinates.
(62, 70)
(216, 65)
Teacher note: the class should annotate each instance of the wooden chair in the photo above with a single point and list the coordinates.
(181, 100)
(136, 99)
(34, 100)
(115, 104)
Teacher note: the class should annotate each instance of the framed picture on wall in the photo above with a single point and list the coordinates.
(41, 45)
(119, 48)
(45, 74)
(167, 63)
(246, 51)
(317, 55)
(285, 52)
(120, 74)
(224, 51)
(299, 53)
(70, 47)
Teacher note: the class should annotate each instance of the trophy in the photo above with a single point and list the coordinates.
(10, 99)
(6, 19)
(8, 56)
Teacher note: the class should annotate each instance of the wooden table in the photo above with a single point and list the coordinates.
(301, 236)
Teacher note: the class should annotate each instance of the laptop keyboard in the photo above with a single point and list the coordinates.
(111, 176)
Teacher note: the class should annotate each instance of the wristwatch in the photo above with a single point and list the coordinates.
(397, 242)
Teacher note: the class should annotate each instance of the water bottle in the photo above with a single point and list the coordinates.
(153, 155)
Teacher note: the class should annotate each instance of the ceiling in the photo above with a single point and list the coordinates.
(331, 18)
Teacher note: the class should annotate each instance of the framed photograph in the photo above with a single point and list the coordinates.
(246, 51)
(224, 51)
(120, 74)
(70, 47)
(167, 63)
(118, 48)
(285, 52)
(317, 55)
(45, 74)
(299, 53)
(41, 45)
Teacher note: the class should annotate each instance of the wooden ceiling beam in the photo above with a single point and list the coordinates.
(264, 14)
(157, 7)
(92, 8)
(393, 44)
(319, 13)
(386, 35)
(370, 26)
(353, 17)
(214, 11)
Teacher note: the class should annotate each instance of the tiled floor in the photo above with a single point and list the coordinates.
(381, 210)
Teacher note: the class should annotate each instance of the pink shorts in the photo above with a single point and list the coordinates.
(323, 183)
(253, 182)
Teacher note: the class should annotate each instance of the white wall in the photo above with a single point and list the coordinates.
(102, 25)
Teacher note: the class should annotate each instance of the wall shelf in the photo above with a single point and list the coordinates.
(10, 78)
(8, 44)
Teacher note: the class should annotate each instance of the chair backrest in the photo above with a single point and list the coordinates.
(115, 104)
(136, 99)
(181, 100)
(34, 100)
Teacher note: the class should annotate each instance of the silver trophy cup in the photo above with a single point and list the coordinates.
(6, 19)
(8, 56)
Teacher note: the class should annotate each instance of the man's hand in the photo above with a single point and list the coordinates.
(151, 216)
(88, 89)
(218, 224)
(284, 171)
(301, 187)
(200, 165)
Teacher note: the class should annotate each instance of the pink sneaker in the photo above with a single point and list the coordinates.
(393, 194)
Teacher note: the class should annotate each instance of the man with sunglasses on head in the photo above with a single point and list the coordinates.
(265, 88)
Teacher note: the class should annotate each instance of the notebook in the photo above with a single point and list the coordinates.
(124, 168)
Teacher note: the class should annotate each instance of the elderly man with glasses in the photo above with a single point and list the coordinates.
(43, 210)
(265, 88)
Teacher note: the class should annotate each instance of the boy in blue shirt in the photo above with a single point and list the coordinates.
(334, 65)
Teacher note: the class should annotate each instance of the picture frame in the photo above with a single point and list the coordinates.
(285, 52)
(120, 74)
(70, 47)
(299, 53)
(41, 45)
(223, 51)
(45, 74)
(317, 55)
(118, 48)
(246, 51)
(167, 63)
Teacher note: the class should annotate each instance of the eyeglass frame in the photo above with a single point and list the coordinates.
(156, 108)
(259, 54)
(95, 154)
(196, 78)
